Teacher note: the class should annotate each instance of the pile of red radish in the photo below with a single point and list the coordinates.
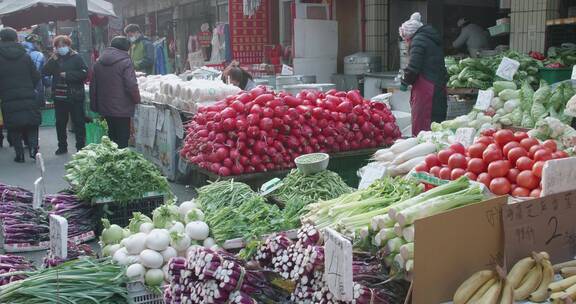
(506, 162)
(261, 130)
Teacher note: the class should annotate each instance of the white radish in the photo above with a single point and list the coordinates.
(403, 145)
(406, 167)
(422, 149)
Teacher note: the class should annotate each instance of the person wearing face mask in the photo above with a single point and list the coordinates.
(141, 50)
(18, 79)
(68, 72)
(426, 73)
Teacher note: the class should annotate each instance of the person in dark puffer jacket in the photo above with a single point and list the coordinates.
(114, 90)
(68, 72)
(426, 72)
(20, 108)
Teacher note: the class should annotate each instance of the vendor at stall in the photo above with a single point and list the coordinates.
(425, 72)
(472, 36)
(237, 76)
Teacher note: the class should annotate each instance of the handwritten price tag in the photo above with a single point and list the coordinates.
(38, 193)
(58, 236)
(558, 176)
(484, 99)
(40, 161)
(465, 136)
(544, 224)
(507, 68)
(373, 172)
(338, 265)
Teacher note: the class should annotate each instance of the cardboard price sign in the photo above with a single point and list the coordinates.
(470, 239)
(484, 99)
(544, 224)
(58, 236)
(465, 136)
(558, 175)
(38, 194)
(507, 68)
(40, 161)
(338, 265)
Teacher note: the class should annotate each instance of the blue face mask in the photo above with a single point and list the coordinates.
(63, 50)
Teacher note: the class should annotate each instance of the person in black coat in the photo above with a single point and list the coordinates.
(68, 72)
(20, 108)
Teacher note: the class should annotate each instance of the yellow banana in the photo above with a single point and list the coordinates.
(471, 285)
(492, 294)
(568, 272)
(541, 294)
(530, 284)
(559, 266)
(519, 271)
(562, 284)
(571, 291)
(482, 290)
(507, 293)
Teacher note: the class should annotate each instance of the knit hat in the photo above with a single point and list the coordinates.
(409, 28)
(462, 22)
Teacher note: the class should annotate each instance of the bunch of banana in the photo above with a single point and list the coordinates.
(565, 289)
(485, 287)
(530, 278)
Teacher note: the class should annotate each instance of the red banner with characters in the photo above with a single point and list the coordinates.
(248, 34)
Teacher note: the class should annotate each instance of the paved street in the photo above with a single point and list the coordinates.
(24, 175)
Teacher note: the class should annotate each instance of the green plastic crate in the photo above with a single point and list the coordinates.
(95, 131)
(48, 118)
(555, 75)
(499, 29)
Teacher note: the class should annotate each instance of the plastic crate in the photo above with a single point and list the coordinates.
(121, 213)
(552, 76)
(48, 117)
(457, 108)
(94, 133)
(139, 294)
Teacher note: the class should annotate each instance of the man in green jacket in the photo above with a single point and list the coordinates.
(141, 51)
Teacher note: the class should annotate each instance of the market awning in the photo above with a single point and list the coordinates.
(24, 13)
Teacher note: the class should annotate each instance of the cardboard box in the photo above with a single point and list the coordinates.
(451, 246)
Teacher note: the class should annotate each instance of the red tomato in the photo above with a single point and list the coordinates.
(485, 140)
(507, 147)
(503, 137)
(432, 160)
(535, 193)
(533, 150)
(498, 168)
(484, 178)
(471, 176)
(475, 150)
(512, 174)
(444, 155)
(491, 155)
(515, 153)
(422, 168)
(500, 186)
(527, 180)
(519, 135)
(537, 168)
(488, 132)
(527, 143)
(458, 148)
(520, 192)
(542, 154)
(476, 166)
(559, 154)
(456, 173)
(435, 171)
(445, 173)
(494, 146)
(524, 163)
(457, 160)
(550, 144)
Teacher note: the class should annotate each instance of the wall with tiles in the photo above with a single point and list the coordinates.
(528, 23)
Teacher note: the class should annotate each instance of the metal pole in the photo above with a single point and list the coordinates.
(84, 31)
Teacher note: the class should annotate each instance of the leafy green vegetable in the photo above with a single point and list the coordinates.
(103, 170)
(509, 94)
(500, 86)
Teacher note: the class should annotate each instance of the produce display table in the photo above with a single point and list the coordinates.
(346, 164)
